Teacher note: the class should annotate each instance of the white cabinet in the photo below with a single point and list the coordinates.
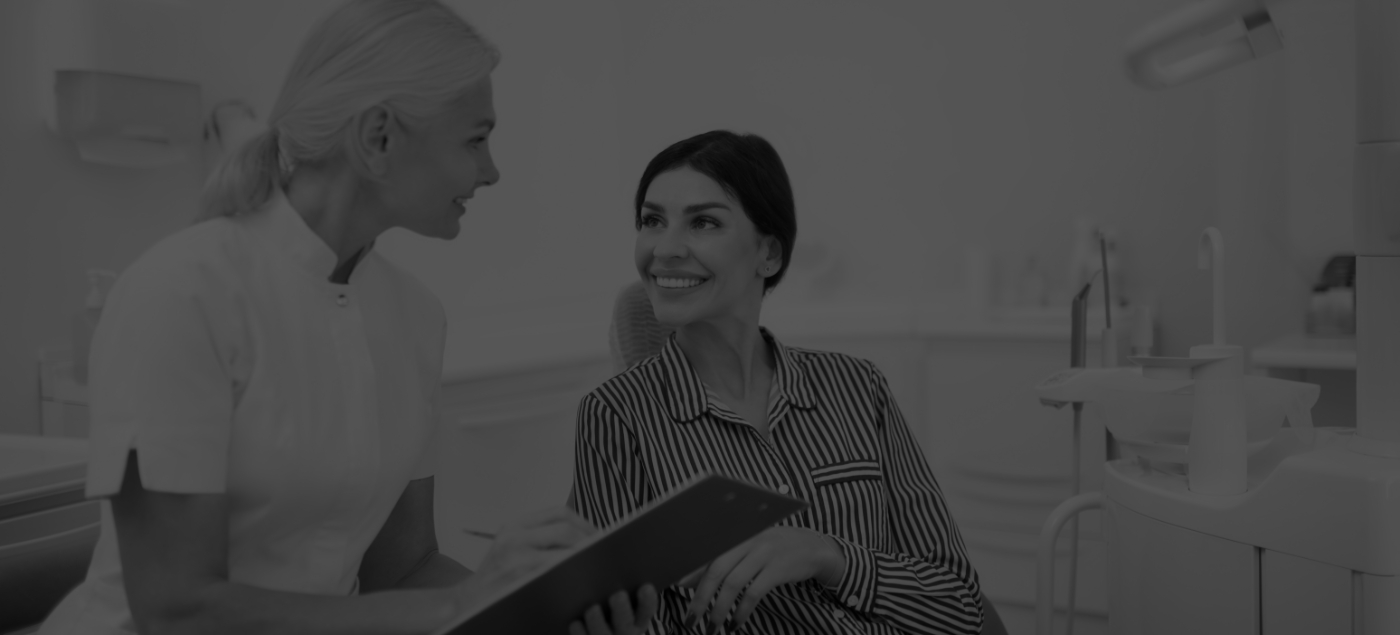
(1303, 597)
(1166, 580)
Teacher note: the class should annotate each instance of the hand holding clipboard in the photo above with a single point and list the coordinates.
(657, 545)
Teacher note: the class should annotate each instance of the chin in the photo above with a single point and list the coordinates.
(446, 231)
(675, 323)
(671, 316)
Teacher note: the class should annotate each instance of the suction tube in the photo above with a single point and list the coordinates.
(1045, 556)
(1079, 315)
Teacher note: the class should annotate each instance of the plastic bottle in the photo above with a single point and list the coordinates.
(85, 322)
(1143, 329)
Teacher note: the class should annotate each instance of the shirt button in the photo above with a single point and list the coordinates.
(783, 489)
(838, 614)
(853, 601)
(342, 300)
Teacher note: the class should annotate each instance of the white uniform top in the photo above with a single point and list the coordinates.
(231, 365)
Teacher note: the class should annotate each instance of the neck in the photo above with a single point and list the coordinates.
(731, 356)
(329, 203)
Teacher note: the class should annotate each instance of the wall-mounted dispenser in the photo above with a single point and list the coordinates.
(119, 79)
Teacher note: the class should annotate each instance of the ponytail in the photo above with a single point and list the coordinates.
(244, 179)
(415, 57)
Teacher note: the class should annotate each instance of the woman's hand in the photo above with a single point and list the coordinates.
(777, 556)
(532, 542)
(624, 620)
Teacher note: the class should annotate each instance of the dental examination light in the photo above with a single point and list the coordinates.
(1247, 20)
(1312, 543)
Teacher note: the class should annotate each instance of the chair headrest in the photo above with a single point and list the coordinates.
(634, 334)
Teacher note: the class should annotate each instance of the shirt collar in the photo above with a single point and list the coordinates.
(279, 223)
(685, 394)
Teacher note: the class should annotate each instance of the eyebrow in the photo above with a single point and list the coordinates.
(689, 209)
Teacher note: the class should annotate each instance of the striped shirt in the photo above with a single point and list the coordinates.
(836, 440)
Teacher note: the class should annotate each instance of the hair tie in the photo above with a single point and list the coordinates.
(285, 164)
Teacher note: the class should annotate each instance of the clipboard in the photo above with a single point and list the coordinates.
(658, 545)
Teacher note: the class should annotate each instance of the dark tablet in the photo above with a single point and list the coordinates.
(658, 545)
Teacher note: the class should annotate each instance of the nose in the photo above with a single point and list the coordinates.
(487, 173)
(671, 243)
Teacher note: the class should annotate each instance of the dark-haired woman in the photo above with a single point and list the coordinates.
(877, 551)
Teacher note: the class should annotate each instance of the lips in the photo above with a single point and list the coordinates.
(461, 201)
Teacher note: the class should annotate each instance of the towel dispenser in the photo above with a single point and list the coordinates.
(119, 79)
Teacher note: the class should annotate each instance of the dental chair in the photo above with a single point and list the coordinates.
(634, 333)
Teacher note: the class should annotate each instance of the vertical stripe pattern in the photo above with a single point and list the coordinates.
(836, 440)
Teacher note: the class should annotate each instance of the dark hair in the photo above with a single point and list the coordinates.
(749, 170)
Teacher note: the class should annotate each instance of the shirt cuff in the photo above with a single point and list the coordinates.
(860, 581)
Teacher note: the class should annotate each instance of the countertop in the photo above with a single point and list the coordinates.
(496, 341)
(1301, 351)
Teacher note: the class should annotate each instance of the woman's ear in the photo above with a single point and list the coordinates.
(375, 132)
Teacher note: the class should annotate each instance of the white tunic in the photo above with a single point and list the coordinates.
(227, 360)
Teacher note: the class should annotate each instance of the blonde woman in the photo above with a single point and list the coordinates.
(264, 384)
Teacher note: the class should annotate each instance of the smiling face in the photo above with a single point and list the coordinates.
(439, 165)
(698, 254)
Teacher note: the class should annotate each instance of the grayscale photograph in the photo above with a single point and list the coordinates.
(694, 317)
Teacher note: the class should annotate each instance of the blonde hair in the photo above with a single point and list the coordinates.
(414, 57)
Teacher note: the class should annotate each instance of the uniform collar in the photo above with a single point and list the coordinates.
(685, 394)
(281, 224)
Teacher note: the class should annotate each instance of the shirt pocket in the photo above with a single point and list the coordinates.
(846, 472)
(849, 500)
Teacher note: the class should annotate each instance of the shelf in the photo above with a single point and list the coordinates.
(574, 333)
(1301, 351)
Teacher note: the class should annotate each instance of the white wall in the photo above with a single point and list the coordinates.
(911, 129)
(59, 217)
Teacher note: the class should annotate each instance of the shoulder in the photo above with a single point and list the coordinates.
(643, 381)
(828, 369)
(193, 263)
